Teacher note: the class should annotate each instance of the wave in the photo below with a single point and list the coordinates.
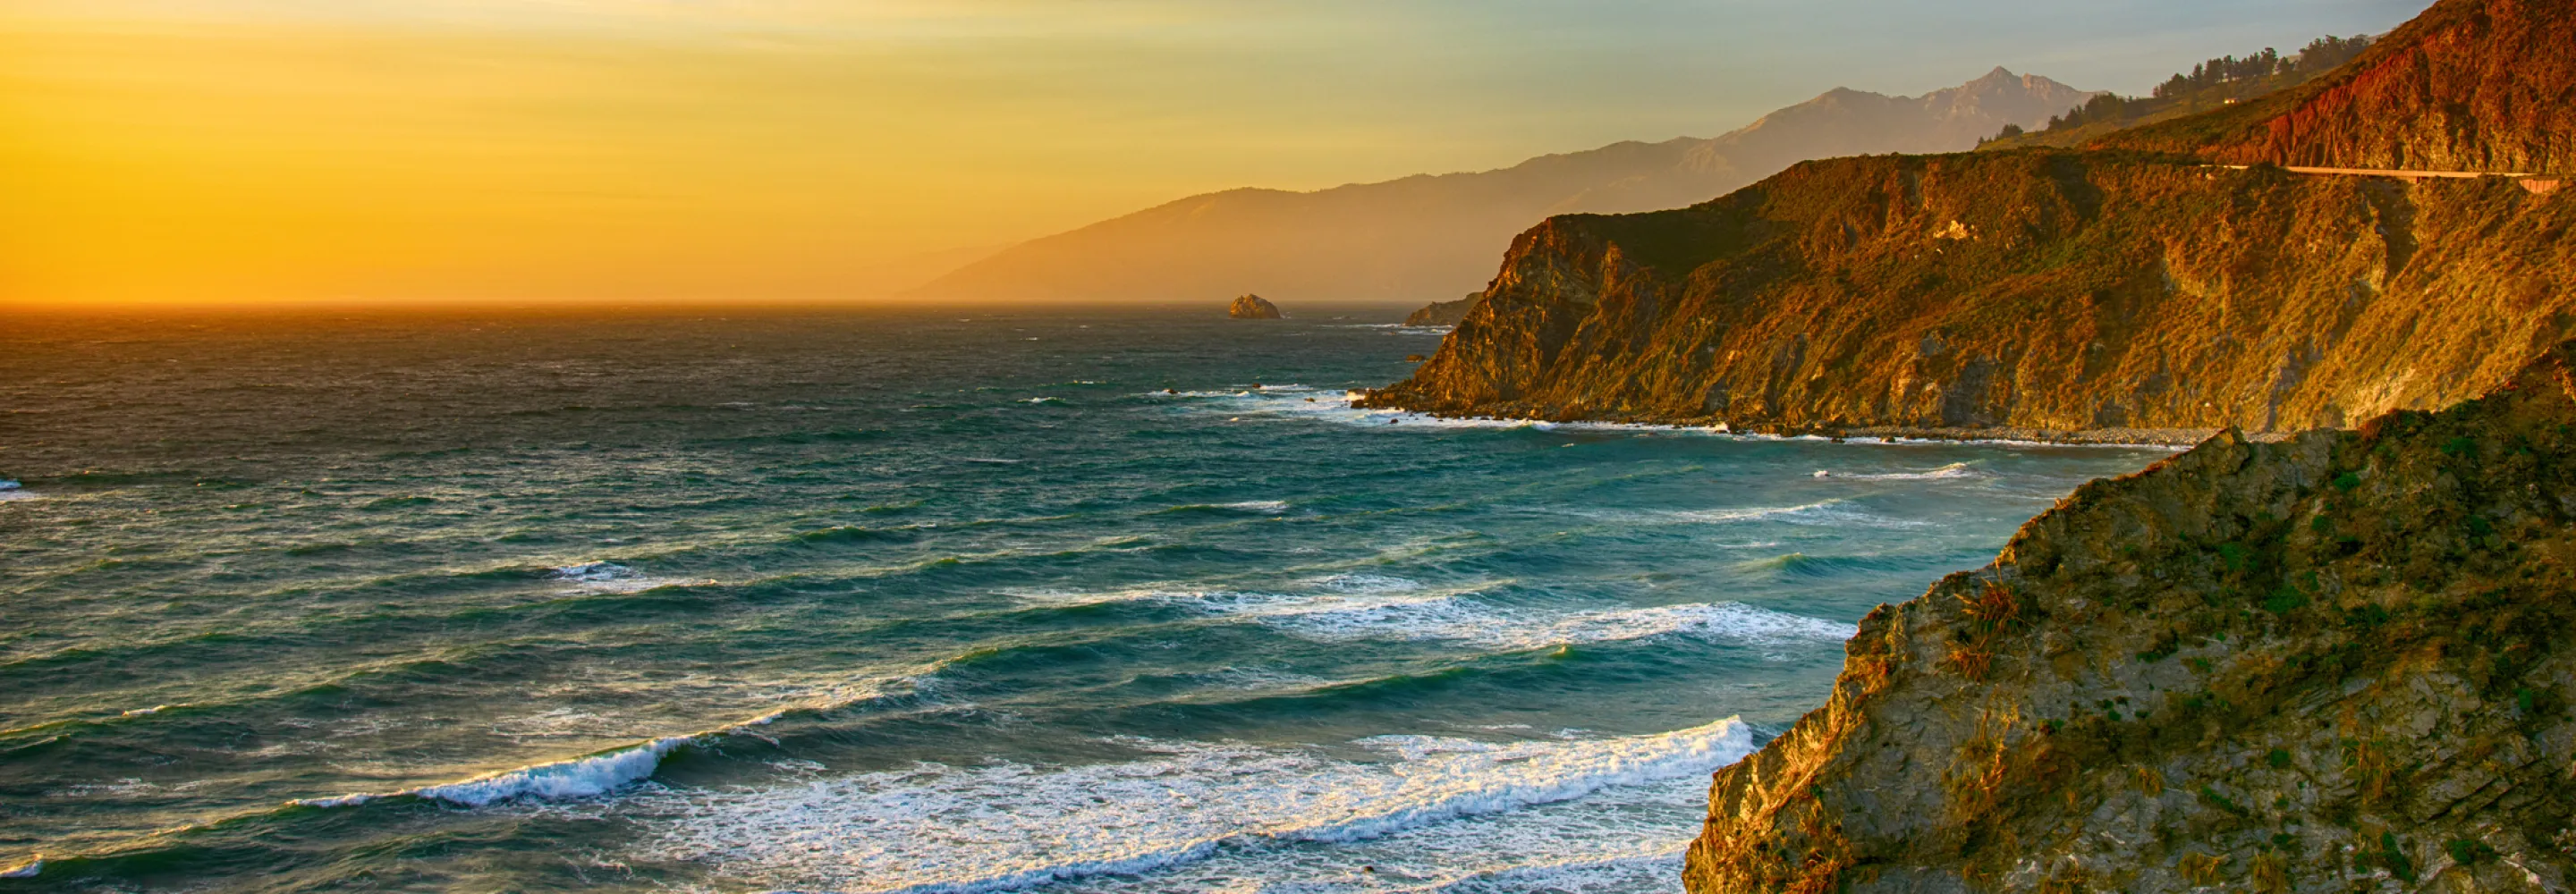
(1257, 507)
(609, 577)
(10, 489)
(1823, 513)
(1953, 470)
(968, 830)
(599, 772)
(1044, 400)
(1357, 607)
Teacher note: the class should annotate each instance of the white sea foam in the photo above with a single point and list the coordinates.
(1953, 470)
(607, 577)
(1044, 400)
(1265, 507)
(960, 830)
(1355, 607)
(1823, 513)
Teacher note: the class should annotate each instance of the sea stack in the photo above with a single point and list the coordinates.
(1253, 307)
(1444, 313)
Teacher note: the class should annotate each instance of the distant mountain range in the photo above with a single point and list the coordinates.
(1430, 236)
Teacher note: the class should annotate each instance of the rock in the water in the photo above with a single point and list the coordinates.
(2341, 662)
(1444, 313)
(1253, 307)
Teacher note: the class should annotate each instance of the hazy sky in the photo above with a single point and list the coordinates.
(373, 150)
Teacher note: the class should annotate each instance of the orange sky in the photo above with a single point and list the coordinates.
(371, 151)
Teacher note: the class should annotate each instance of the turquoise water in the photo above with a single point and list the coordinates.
(1056, 600)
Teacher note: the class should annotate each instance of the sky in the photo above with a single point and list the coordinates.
(404, 151)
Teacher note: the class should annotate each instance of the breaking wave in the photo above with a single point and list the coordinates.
(968, 830)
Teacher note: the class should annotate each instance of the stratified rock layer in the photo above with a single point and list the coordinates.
(1252, 307)
(2341, 662)
(2035, 290)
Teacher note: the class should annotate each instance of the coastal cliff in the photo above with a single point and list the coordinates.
(2032, 290)
(2339, 662)
(2142, 289)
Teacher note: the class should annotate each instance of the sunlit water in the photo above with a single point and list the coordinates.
(1115, 601)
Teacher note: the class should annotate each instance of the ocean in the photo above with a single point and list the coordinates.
(1063, 600)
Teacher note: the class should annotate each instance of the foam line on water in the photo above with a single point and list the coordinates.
(594, 774)
(1383, 607)
(935, 829)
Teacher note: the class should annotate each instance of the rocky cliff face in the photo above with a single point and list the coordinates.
(2341, 662)
(2470, 85)
(2114, 293)
(2042, 290)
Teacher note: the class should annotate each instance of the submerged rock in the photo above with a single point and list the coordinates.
(2339, 662)
(1253, 307)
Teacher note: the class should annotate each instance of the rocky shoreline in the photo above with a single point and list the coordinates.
(2339, 662)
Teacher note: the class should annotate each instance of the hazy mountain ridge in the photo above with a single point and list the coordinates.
(1431, 235)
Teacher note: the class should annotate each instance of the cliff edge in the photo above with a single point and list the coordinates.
(2341, 662)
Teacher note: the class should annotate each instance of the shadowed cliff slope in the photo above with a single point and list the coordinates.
(1438, 235)
(2341, 662)
(2469, 85)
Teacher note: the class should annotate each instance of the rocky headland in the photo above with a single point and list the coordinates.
(1444, 313)
(2071, 292)
(2338, 662)
(1252, 307)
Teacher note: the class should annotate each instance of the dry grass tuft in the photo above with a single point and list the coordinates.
(2270, 874)
(1977, 772)
(2149, 780)
(2369, 764)
(1994, 610)
(2204, 870)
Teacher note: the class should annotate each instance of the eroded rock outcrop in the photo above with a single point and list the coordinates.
(1253, 307)
(2340, 662)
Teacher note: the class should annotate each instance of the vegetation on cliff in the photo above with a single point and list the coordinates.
(2340, 662)
(2469, 85)
(2211, 84)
